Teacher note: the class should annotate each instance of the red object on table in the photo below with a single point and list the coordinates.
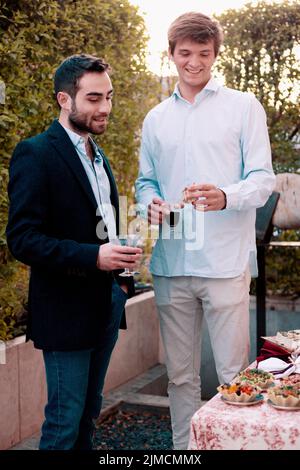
(272, 350)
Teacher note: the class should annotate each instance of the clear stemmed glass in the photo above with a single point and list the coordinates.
(199, 203)
(134, 240)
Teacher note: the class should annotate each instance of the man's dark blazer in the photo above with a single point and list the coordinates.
(52, 228)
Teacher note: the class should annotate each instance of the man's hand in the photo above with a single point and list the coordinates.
(157, 211)
(206, 196)
(111, 257)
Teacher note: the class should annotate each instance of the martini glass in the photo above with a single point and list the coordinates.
(133, 240)
(199, 203)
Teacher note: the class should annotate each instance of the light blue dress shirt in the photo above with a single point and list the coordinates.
(98, 179)
(222, 139)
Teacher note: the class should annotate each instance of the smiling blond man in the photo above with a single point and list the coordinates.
(212, 143)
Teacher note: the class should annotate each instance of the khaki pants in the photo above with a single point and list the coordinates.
(182, 301)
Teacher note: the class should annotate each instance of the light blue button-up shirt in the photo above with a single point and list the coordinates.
(222, 139)
(98, 180)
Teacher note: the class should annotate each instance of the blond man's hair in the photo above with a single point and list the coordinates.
(197, 27)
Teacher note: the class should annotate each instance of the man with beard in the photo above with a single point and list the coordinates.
(63, 219)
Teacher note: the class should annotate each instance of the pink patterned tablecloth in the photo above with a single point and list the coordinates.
(218, 426)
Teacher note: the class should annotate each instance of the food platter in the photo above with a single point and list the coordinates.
(258, 399)
(285, 408)
(256, 377)
(287, 344)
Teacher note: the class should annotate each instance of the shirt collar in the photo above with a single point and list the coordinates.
(78, 142)
(212, 85)
(76, 139)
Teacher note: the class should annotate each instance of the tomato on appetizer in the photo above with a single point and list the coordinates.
(238, 388)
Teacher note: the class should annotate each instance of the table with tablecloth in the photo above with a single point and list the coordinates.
(219, 426)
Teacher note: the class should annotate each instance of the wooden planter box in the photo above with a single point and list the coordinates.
(22, 376)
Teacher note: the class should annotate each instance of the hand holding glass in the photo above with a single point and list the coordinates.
(133, 240)
(189, 193)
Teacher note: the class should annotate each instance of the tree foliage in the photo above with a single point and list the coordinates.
(35, 36)
(260, 55)
(283, 265)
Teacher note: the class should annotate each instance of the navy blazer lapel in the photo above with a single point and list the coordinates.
(65, 148)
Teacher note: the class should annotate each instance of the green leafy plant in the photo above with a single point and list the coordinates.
(13, 294)
(260, 55)
(282, 265)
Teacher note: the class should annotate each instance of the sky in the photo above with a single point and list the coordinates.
(159, 14)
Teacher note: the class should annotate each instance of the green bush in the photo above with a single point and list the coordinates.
(283, 266)
(259, 55)
(13, 295)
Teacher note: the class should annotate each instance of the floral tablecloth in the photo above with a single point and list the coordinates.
(218, 426)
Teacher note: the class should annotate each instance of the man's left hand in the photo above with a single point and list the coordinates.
(208, 196)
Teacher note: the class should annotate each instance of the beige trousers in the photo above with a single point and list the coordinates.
(181, 302)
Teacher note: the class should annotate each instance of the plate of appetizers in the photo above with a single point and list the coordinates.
(240, 393)
(293, 380)
(285, 408)
(256, 377)
(255, 401)
(285, 396)
(287, 340)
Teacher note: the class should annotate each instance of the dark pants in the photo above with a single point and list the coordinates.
(75, 382)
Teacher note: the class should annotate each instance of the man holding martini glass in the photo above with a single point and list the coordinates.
(63, 222)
